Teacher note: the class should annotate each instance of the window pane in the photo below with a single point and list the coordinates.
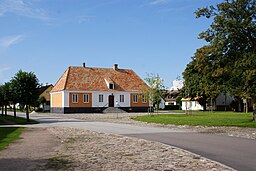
(74, 98)
(135, 98)
(101, 98)
(86, 98)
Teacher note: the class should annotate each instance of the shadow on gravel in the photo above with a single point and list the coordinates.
(10, 164)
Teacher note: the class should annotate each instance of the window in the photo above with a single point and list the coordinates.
(121, 98)
(75, 98)
(144, 99)
(86, 98)
(111, 86)
(135, 98)
(101, 98)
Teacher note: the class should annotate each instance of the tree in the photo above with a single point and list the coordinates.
(14, 96)
(26, 87)
(156, 85)
(6, 96)
(203, 82)
(2, 98)
(232, 40)
(42, 101)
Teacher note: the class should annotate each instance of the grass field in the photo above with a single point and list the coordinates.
(202, 119)
(8, 135)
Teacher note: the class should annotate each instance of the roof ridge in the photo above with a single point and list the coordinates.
(99, 68)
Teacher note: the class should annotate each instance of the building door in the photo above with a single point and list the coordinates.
(111, 101)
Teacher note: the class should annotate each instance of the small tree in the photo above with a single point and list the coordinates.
(156, 85)
(26, 86)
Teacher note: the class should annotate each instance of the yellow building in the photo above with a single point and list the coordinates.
(44, 92)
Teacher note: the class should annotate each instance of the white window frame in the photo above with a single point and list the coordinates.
(121, 98)
(86, 98)
(135, 98)
(101, 99)
(74, 98)
(144, 99)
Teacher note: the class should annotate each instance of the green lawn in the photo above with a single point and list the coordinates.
(8, 135)
(10, 120)
(202, 118)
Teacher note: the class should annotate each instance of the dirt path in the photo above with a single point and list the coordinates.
(31, 152)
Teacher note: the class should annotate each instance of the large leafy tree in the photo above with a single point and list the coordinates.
(202, 80)
(26, 84)
(232, 43)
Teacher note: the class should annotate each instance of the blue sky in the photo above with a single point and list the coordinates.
(148, 36)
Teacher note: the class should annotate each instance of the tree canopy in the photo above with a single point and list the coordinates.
(26, 87)
(227, 62)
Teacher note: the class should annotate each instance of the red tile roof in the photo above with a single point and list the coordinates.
(93, 79)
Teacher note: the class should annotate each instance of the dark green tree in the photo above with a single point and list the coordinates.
(232, 39)
(14, 95)
(26, 84)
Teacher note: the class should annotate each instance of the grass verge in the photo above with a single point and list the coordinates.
(8, 135)
(202, 119)
(10, 120)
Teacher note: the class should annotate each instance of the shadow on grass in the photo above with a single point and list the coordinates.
(10, 120)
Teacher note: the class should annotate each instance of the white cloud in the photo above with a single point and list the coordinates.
(82, 19)
(157, 2)
(8, 41)
(3, 69)
(22, 8)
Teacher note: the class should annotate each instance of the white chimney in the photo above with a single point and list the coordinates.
(115, 66)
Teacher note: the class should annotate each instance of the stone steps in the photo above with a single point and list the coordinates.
(113, 110)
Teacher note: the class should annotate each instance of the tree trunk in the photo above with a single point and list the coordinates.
(254, 108)
(246, 105)
(27, 112)
(2, 110)
(14, 110)
(5, 110)
(204, 106)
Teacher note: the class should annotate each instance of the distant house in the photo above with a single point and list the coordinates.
(171, 97)
(87, 90)
(190, 104)
(223, 101)
(44, 91)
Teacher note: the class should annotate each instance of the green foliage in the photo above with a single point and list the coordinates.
(26, 87)
(227, 63)
(202, 119)
(156, 85)
(26, 84)
(8, 135)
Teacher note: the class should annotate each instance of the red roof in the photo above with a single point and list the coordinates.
(93, 79)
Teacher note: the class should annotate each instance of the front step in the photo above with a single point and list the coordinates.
(113, 110)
